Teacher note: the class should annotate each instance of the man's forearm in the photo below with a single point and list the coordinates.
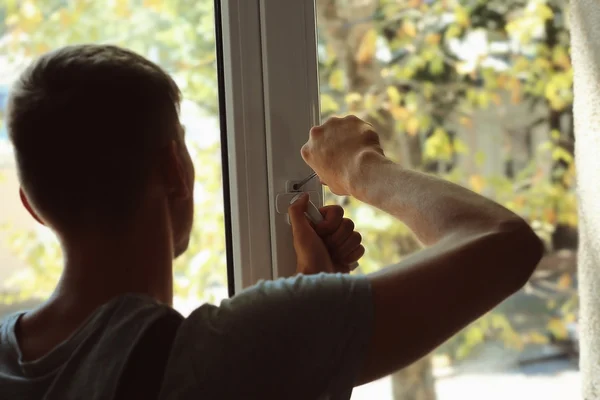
(478, 254)
(431, 207)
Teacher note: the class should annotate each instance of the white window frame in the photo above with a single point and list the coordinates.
(272, 100)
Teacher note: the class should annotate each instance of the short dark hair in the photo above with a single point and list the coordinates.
(85, 122)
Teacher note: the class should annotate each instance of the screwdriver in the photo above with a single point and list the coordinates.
(299, 185)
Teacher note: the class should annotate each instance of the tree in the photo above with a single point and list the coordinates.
(399, 64)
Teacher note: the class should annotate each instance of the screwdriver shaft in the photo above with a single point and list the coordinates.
(304, 181)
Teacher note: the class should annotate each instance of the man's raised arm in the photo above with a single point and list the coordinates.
(478, 253)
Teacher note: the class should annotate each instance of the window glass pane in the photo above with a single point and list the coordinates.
(179, 36)
(478, 93)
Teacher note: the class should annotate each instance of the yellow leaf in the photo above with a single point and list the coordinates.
(466, 121)
(477, 183)
(336, 80)
(537, 338)
(328, 104)
(542, 63)
(453, 31)
(560, 57)
(366, 50)
(409, 28)
(412, 126)
(353, 98)
(433, 38)
(544, 12)
(557, 328)
(462, 17)
(122, 8)
(565, 281)
(399, 113)
(370, 101)
(570, 318)
(394, 94)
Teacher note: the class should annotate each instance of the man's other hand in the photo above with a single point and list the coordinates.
(331, 246)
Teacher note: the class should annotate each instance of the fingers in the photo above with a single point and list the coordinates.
(354, 255)
(301, 226)
(345, 243)
(344, 252)
(341, 234)
(332, 219)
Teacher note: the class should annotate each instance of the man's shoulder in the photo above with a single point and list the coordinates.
(112, 333)
(261, 337)
(136, 306)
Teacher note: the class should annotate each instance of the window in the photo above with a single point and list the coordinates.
(480, 94)
(181, 38)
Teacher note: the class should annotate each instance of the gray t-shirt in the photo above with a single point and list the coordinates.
(297, 338)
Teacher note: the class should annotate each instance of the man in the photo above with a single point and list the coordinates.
(102, 161)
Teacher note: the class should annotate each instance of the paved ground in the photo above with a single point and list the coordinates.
(557, 380)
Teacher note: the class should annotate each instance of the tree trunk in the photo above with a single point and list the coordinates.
(343, 25)
(415, 382)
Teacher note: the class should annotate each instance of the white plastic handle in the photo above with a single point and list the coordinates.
(315, 216)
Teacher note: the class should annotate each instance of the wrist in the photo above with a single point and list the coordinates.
(368, 166)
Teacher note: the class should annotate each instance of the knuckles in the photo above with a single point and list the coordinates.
(348, 224)
(305, 151)
(357, 237)
(317, 131)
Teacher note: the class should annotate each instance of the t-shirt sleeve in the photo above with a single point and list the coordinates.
(297, 338)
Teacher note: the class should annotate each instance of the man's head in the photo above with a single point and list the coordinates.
(97, 139)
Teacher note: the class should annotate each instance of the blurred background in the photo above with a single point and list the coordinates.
(477, 92)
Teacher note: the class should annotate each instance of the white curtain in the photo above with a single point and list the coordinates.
(585, 42)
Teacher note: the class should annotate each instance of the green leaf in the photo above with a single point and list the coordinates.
(436, 65)
(560, 154)
(543, 11)
(337, 80)
(453, 31)
(328, 105)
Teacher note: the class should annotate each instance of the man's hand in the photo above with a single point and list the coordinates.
(328, 247)
(338, 149)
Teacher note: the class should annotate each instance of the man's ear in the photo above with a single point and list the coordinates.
(28, 207)
(175, 173)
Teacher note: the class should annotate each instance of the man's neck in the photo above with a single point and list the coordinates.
(98, 268)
